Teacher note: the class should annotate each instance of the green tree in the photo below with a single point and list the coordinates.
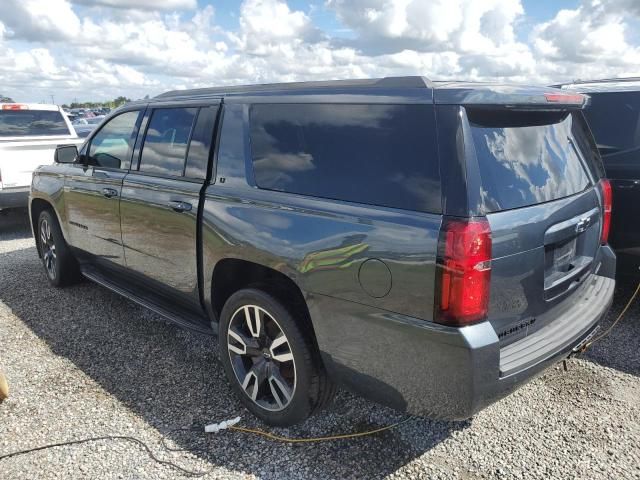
(116, 102)
(4, 99)
(120, 101)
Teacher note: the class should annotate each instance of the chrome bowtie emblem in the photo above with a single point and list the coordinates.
(583, 224)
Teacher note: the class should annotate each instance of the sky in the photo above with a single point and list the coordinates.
(95, 50)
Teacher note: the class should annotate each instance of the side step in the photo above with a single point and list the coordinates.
(175, 314)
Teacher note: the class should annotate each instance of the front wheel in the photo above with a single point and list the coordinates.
(271, 364)
(59, 264)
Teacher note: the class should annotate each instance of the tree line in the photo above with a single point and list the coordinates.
(116, 102)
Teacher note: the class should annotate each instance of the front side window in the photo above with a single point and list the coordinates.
(32, 123)
(165, 145)
(374, 154)
(113, 144)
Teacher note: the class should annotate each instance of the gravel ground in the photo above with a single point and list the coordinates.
(84, 362)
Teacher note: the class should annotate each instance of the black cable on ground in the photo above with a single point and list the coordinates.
(202, 473)
(186, 471)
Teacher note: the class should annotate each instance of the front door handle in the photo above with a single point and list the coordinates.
(180, 206)
(109, 192)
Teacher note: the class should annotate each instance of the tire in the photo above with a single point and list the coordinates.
(279, 377)
(60, 266)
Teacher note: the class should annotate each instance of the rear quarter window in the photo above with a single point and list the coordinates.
(374, 154)
(527, 158)
(29, 123)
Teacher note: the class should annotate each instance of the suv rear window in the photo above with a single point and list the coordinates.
(614, 118)
(526, 158)
(375, 154)
(23, 123)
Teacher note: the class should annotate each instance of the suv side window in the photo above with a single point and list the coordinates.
(375, 154)
(614, 118)
(200, 145)
(112, 146)
(165, 145)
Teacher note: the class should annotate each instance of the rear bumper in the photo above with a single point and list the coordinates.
(443, 372)
(14, 197)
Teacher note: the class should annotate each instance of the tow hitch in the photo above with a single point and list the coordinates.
(584, 344)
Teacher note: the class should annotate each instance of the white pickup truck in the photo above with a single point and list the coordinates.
(29, 134)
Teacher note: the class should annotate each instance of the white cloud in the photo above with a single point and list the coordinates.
(589, 40)
(138, 47)
(267, 25)
(143, 4)
(462, 25)
(39, 20)
(473, 38)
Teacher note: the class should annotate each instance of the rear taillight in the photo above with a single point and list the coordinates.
(565, 98)
(14, 106)
(607, 201)
(464, 271)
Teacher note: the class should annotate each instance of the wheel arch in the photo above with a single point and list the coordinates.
(232, 274)
(36, 207)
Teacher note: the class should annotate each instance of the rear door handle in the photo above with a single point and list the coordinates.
(109, 192)
(180, 206)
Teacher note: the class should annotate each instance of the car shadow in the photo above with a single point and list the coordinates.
(171, 378)
(619, 348)
(14, 224)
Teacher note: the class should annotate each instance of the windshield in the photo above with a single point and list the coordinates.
(28, 123)
(528, 157)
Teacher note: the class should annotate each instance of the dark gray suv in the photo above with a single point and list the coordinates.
(613, 113)
(428, 245)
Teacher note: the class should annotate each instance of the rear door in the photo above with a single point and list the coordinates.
(161, 198)
(614, 118)
(92, 190)
(536, 173)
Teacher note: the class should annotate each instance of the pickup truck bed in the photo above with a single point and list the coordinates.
(29, 135)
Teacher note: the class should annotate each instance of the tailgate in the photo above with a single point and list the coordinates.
(19, 158)
(538, 176)
(541, 256)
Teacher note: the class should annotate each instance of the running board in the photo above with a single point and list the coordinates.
(181, 317)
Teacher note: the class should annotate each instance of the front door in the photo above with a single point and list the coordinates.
(93, 188)
(161, 198)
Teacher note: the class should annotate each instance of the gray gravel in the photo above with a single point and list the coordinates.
(84, 362)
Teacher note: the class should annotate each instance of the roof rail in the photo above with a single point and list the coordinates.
(602, 80)
(387, 82)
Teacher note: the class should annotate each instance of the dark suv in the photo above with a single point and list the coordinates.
(613, 113)
(428, 245)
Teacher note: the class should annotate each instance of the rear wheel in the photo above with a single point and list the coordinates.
(59, 264)
(271, 364)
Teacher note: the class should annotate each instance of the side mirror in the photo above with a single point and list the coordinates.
(65, 154)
